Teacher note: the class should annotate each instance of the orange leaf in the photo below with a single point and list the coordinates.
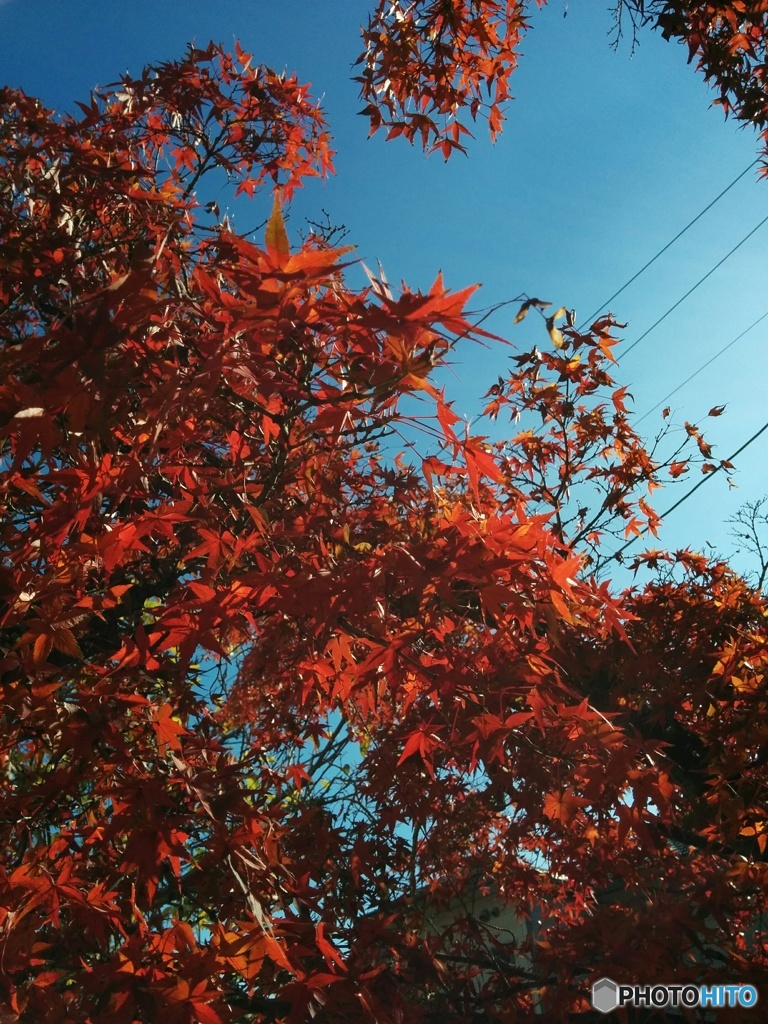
(412, 746)
(42, 648)
(167, 729)
(64, 641)
(563, 806)
(327, 949)
(276, 236)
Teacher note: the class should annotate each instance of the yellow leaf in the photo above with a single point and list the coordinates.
(31, 413)
(537, 303)
(557, 337)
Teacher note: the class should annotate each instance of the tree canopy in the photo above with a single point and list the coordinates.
(430, 67)
(290, 659)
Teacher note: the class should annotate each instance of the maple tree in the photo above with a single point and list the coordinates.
(728, 42)
(272, 692)
(431, 67)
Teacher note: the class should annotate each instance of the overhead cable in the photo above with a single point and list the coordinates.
(701, 368)
(690, 291)
(590, 319)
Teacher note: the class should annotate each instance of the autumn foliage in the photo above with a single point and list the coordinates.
(287, 666)
(431, 68)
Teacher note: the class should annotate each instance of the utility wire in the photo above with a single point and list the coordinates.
(701, 368)
(690, 291)
(590, 319)
(617, 554)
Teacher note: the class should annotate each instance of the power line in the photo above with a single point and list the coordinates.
(590, 319)
(690, 291)
(701, 368)
(617, 554)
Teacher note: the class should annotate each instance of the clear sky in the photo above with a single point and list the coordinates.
(605, 157)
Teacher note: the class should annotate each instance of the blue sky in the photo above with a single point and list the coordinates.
(604, 158)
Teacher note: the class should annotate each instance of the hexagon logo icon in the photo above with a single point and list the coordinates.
(605, 995)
